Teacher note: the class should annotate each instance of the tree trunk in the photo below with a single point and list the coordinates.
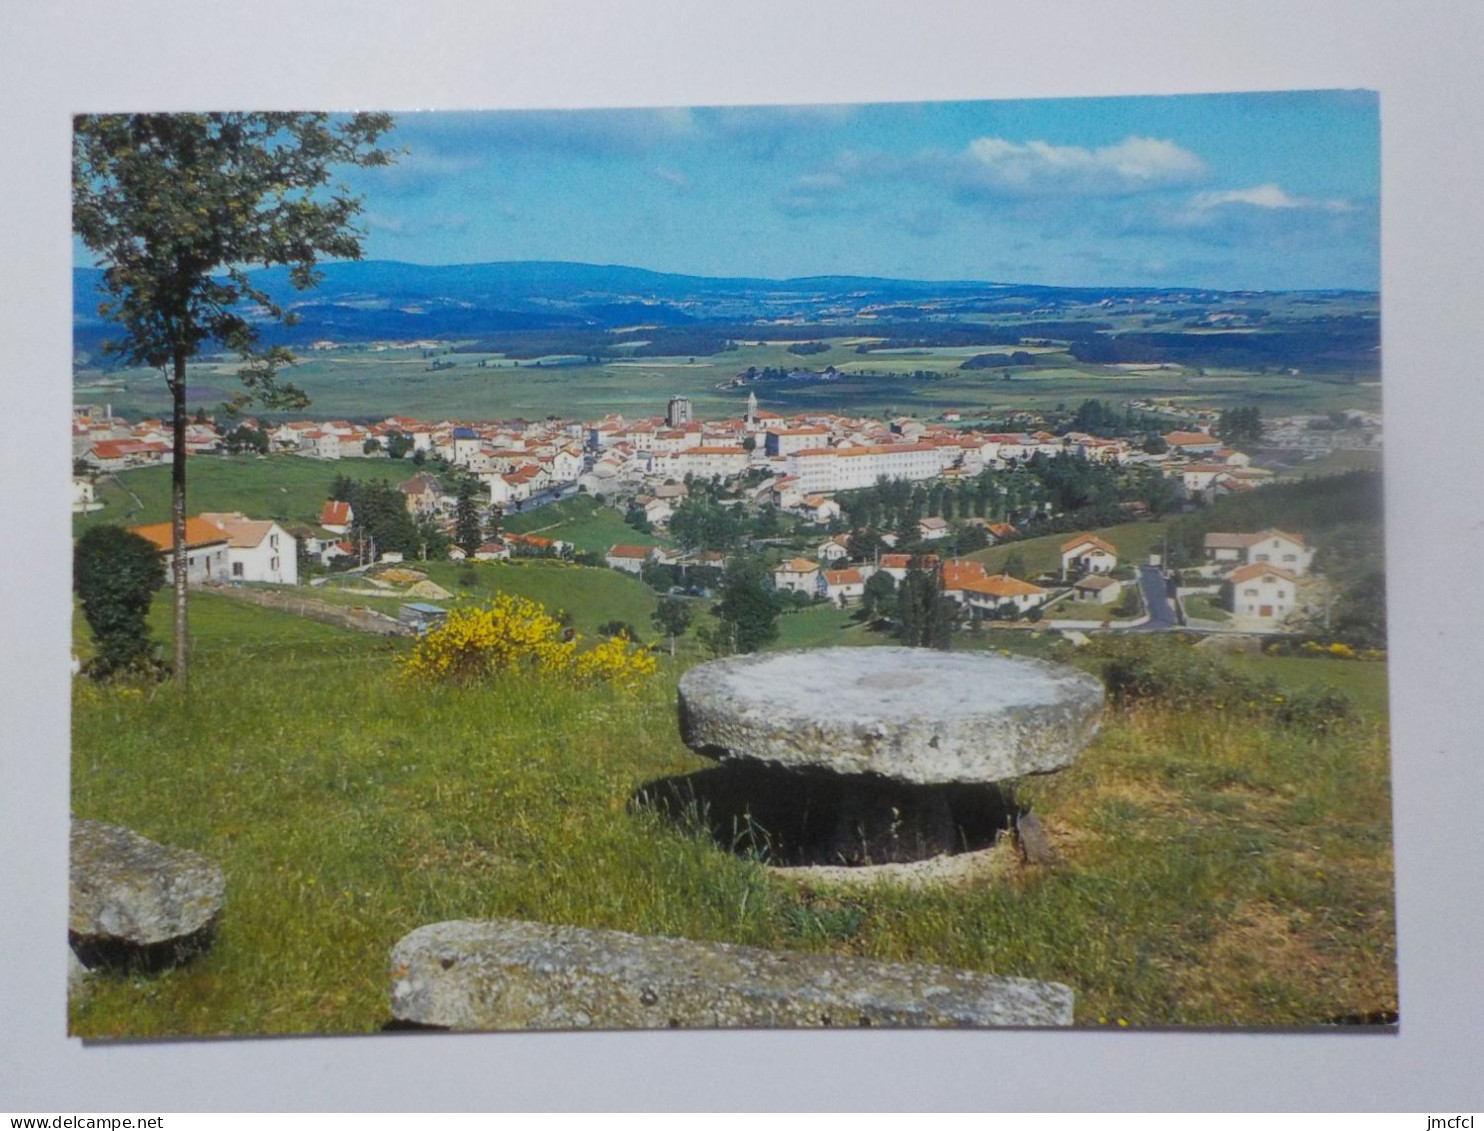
(178, 514)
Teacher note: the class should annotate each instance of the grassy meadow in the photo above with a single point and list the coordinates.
(1134, 540)
(1214, 871)
(289, 489)
(581, 520)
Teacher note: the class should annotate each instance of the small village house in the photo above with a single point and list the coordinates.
(1097, 589)
(796, 575)
(336, 516)
(999, 592)
(1087, 553)
(841, 585)
(1262, 595)
(206, 550)
(630, 559)
(257, 549)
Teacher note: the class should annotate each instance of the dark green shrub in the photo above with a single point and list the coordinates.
(115, 574)
(1170, 673)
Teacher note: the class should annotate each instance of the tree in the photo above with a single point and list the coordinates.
(115, 573)
(176, 207)
(467, 534)
(746, 608)
(879, 596)
(672, 617)
(924, 616)
(246, 438)
(398, 444)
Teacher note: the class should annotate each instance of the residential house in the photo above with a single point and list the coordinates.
(1087, 553)
(956, 574)
(1000, 592)
(796, 575)
(422, 493)
(257, 549)
(84, 495)
(841, 585)
(1262, 594)
(336, 516)
(630, 559)
(819, 510)
(835, 549)
(206, 550)
(897, 565)
(1278, 547)
(1097, 589)
(932, 528)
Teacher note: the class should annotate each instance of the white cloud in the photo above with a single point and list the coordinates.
(1265, 196)
(995, 166)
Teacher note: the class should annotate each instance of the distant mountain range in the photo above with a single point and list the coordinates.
(380, 299)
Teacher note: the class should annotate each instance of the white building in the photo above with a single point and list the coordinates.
(1087, 553)
(630, 559)
(206, 550)
(797, 575)
(257, 549)
(1262, 594)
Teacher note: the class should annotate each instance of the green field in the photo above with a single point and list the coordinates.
(1215, 872)
(581, 520)
(1134, 541)
(353, 381)
(288, 489)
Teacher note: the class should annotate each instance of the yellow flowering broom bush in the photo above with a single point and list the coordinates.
(518, 634)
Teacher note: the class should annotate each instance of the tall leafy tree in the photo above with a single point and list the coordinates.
(924, 616)
(466, 527)
(176, 208)
(747, 609)
(115, 574)
(672, 617)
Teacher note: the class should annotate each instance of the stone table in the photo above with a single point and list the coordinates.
(895, 730)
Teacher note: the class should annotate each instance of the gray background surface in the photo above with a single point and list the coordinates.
(63, 57)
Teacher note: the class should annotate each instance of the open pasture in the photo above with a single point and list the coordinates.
(362, 383)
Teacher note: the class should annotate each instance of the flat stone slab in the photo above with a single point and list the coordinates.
(129, 892)
(505, 974)
(910, 714)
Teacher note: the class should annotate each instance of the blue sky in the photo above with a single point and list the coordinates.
(1260, 191)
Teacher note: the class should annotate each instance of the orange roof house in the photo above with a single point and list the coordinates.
(198, 532)
(1090, 540)
(335, 513)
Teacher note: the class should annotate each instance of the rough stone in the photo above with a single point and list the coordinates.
(1031, 839)
(503, 974)
(133, 899)
(907, 714)
(77, 975)
(1231, 642)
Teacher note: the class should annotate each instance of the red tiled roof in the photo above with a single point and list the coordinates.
(843, 577)
(1002, 586)
(1089, 540)
(335, 513)
(956, 574)
(198, 532)
(634, 552)
(1257, 569)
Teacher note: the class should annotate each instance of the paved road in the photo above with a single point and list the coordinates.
(1156, 600)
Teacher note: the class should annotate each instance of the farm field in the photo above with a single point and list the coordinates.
(1215, 871)
(356, 382)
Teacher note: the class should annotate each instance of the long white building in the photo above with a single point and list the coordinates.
(825, 470)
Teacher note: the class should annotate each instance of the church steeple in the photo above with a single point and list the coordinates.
(751, 409)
